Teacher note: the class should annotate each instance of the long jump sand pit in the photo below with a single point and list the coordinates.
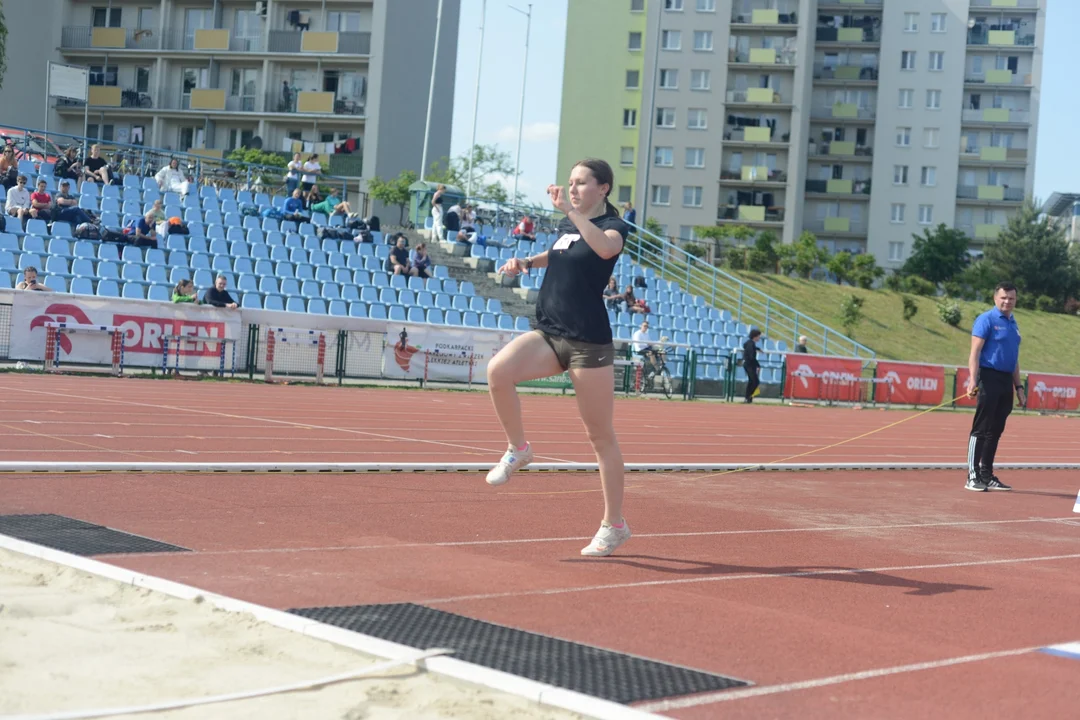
(70, 640)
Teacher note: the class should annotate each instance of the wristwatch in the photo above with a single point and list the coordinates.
(1019, 387)
(528, 263)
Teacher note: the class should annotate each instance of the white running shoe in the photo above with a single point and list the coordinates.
(607, 539)
(513, 460)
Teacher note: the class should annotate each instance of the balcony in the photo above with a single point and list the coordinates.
(997, 116)
(993, 155)
(783, 15)
(837, 226)
(320, 43)
(999, 77)
(979, 232)
(753, 175)
(78, 37)
(756, 96)
(842, 111)
(838, 187)
(749, 214)
(763, 56)
(846, 150)
(315, 103)
(762, 134)
(848, 6)
(989, 193)
(846, 35)
(1006, 4)
(1021, 38)
(845, 72)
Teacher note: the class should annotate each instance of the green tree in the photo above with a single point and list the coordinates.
(257, 157)
(1034, 254)
(393, 192)
(490, 167)
(911, 308)
(975, 282)
(764, 256)
(786, 259)
(865, 270)
(808, 256)
(3, 45)
(840, 265)
(851, 314)
(938, 255)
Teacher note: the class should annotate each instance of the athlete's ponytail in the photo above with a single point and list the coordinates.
(603, 175)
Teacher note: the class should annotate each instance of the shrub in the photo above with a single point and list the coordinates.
(760, 260)
(919, 286)
(949, 311)
(736, 258)
(851, 314)
(911, 308)
(894, 282)
(1072, 306)
(696, 249)
(1045, 303)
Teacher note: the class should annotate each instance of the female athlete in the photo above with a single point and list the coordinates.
(573, 334)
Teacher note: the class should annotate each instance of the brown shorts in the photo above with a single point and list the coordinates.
(577, 354)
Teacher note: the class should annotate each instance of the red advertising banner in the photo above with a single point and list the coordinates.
(909, 384)
(813, 377)
(1053, 392)
(961, 383)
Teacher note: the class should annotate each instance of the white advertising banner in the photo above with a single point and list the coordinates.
(143, 322)
(440, 353)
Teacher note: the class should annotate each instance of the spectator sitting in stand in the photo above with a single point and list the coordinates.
(9, 168)
(66, 207)
(218, 296)
(18, 201)
(144, 231)
(332, 205)
(801, 347)
(95, 168)
(311, 170)
(612, 296)
(398, 262)
(171, 179)
(30, 282)
(421, 261)
(633, 305)
(184, 292)
(67, 166)
(294, 207)
(41, 202)
(525, 229)
(451, 223)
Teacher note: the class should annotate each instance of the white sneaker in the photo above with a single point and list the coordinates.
(513, 460)
(607, 539)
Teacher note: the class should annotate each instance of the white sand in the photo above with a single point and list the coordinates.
(70, 640)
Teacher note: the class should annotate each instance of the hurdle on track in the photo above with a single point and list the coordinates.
(176, 343)
(562, 467)
(53, 330)
(295, 336)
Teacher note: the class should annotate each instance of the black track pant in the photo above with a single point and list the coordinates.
(753, 379)
(994, 403)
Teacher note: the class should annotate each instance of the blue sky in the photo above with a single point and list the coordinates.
(1057, 154)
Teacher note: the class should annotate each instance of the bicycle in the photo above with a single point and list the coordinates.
(653, 368)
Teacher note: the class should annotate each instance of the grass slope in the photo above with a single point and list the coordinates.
(1050, 341)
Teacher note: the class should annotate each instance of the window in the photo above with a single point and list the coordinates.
(626, 156)
(937, 60)
(104, 75)
(675, 5)
(933, 99)
(897, 214)
(930, 137)
(937, 22)
(629, 118)
(703, 40)
(907, 97)
(664, 157)
(706, 5)
(343, 21)
(147, 18)
(625, 191)
(695, 157)
(665, 117)
(637, 5)
(926, 214)
(635, 41)
(903, 137)
(899, 174)
(697, 119)
(691, 195)
(686, 232)
(106, 17)
(907, 60)
(240, 138)
(700, 79)
(661, 194)
(671, 40)
(669, 79)
(896, 251)
(928, 178)
(911, 22)
(142, 79)
(633, 79)
(103, 132)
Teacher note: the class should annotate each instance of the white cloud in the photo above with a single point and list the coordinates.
(537, 132)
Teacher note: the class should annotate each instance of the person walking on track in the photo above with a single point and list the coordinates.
(751, 365)
(994, 374)
(573, 334)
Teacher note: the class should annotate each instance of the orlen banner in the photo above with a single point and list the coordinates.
(910, 383)
(813, 377)
(436, 353)
(143, 322)
(961, 383)
(1053, 392)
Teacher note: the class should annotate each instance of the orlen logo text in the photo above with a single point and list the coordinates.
(61, 312)
(913, 383)
(1059, 392)
(805, 371)
(143, 334)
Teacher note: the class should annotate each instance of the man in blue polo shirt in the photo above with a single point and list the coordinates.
(994, 374)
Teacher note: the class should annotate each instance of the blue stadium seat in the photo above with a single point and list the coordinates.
(505, 322)
(160, 293)
(108, 288)
(452, 317)
(203, 278)
(406, 297)
(295, 304)
(338, 308)
(268, 285)
(30, 260)
(369, 294)
(252, 301)
(396, 313)
(305, 272)
(310, 289)
(56, 266)
(273, 302)
(416, 315)
(358, 310)
(377, 311)
(487, 320)
(331, 291)
(521, 323)
(290, 288)
(471, 319)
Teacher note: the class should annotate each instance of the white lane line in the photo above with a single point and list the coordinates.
(525, 541)
(727, 696)
(745, 576)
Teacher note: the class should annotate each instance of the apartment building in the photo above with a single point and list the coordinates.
(215, 75)
(862, 121)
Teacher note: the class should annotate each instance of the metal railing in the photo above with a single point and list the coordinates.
(858, 187)
(832, 34)
(742, 96)
(833, 72)
(825, 112)
(981, 36)
(849, 7)
(972, 152)
(746, 303)
(731, 212)
(821, 149)
(783, 57)
(738, 134)
(1026, 4)
(819, 227)
(773, 175)
(1015, 116)
(276, 102)
(349, 43)
(78, 37)
(786, 12)
(1014, 79)
(971, 192)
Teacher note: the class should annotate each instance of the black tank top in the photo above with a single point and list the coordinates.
(571, 300)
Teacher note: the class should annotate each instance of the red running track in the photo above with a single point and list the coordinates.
(780, 579)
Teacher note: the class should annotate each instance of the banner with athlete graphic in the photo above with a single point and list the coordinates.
(1053, 392)
(432, 352)
(909, 383)
(815, 377)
